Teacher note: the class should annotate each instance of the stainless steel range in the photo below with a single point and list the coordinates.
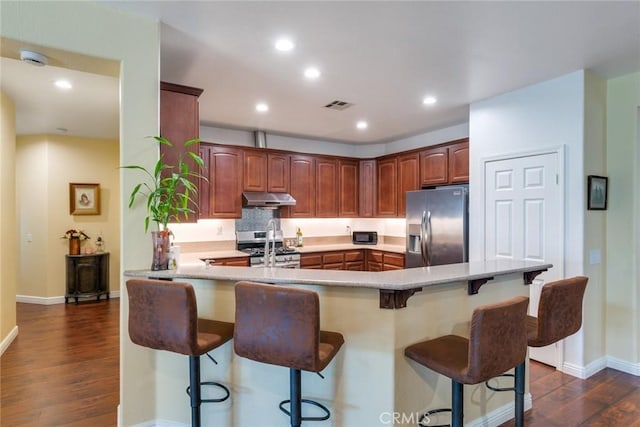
(254, 242)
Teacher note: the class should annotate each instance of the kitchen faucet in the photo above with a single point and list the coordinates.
(270, 256)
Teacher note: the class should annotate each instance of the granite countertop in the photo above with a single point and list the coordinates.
(396, 280)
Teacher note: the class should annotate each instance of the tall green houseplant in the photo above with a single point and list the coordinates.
(169, 192)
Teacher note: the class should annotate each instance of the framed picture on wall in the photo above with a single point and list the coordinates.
(84, 199)
(597, 187)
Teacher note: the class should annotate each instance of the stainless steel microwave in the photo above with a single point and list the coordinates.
(364, 237)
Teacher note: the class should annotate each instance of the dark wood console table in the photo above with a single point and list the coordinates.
(87, 276)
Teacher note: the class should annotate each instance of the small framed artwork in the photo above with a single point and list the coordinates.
(84, 199)
(597, 187)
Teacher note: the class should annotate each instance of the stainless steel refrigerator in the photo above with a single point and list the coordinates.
(437, 226)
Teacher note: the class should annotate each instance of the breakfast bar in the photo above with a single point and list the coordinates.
(370, 382)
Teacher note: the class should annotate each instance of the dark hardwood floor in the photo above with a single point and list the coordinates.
(63, 370)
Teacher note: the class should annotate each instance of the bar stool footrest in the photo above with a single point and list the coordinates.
(211, 383)
(501, 388)
(311, 402)
(428, 420)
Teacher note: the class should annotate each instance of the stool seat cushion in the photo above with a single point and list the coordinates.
(497, 342)
(559, 312)
(281, 326)
(163, 315)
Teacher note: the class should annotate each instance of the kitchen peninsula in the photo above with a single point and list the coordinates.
(370, 379)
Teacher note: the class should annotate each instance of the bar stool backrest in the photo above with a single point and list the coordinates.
(277, 325)
(163, 315)
(497, 339)
(559, 310)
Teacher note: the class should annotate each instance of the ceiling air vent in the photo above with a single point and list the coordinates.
(338, 105)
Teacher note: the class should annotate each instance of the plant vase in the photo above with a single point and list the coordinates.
(74, 245)
(160, 241)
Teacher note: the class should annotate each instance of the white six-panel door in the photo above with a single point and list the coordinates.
(524, 220)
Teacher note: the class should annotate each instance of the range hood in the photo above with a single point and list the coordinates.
(260, 199)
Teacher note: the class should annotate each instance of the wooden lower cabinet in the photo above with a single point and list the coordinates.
(241, 261)
(87, 276)
(353, 260)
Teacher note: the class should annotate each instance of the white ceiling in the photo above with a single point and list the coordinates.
(383, 56)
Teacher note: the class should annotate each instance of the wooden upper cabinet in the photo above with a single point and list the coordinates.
(203, 187)
(179, 122)
(302, 186)
(255, 170)
(434, 166)
(326, 187)
(408, 179)
(225, 182)
(459, 163)
(348, 188)
(386, 188)
(367, 188)
(278, 170)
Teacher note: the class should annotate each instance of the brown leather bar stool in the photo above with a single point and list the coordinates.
(497, 342)
(559, 316)
(281, 326)
(163, 315)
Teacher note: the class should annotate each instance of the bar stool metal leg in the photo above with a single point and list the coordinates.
(519, 389)
(194, 381)
(457, 414)
(295, 394)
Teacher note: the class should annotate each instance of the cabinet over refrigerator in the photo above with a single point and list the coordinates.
(437, 226)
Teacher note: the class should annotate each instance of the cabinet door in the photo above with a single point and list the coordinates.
(367, 188)
(348, 188)
(387, 189)
(179, 122)
(408, 179)
(225, 182)
(459, 163)
(255, 170)
(434, 166)
(326, 187)
(303, 186)
(393, 261)
(311, 261)
(278, 173)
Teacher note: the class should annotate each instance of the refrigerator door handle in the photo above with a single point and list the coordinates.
(423, 240)
(429, 238)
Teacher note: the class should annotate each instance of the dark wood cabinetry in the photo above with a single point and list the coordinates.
(278, 170)
(303, 186)
(224, 189)
(367, 188)
(254, 170)
(384, 261)
(348, 188)
(326, 187)
(434, 168)
(408, 179)
(241, 261)
(87, 276)
(334, 260)
(386, 188)
(179, 122)
(459, 163)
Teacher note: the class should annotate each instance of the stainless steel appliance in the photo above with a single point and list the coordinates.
(437, 226)
(254, 242)
(364, 237)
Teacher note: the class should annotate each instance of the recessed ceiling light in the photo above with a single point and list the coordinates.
(429, 100)
(362, 124)
(312, 73)
(63, 84)
(261, 107)
(284, 45)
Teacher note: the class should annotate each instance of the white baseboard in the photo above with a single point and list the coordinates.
(6, 342)
(27, 299)
(500, 415)
(623, 365)
(584, 372)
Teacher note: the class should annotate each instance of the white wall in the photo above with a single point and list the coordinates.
(548, 114)
(315, 146)
(623, 218)
(89, 29)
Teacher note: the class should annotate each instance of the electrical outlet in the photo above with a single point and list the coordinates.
(28, 237)
(220, 230)
(348, 230)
